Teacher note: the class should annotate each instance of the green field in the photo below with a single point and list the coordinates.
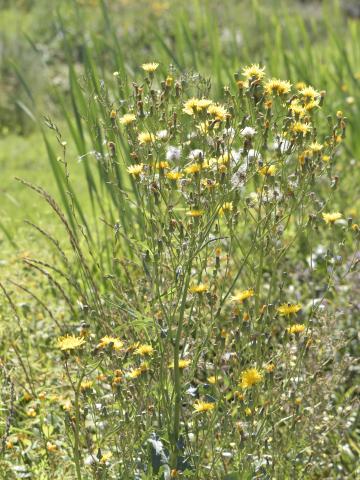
(179, 223)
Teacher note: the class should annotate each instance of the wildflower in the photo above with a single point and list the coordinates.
(248, 132)
(174, 175)
(173, 153)
(42, 396)
(279, 87)
(267, 170)
(134, 373)
(250, 377)
(149, 67)
(311, 105)
(105, 457)
(243, 295)
(51, 447)
(183, 363)
(70, 342)
(31, 412)
(202, 407)
(331, 217)
(127, 119)
(297, 328)
(113, 114)
(253, 72)
(218, 111)
(213, 379)
(67, 405)
(144, 350)
(195, 213)
(226, 207)
(309, 93)
(194, 168)
(135, 170)
(196, 105)
(169, 81)
(248, 411)
(270, 367)
(146, 138)
(300, 127)
(86, 385)
(116, 343)
(287, 309)
(201, 288)
(325, 158)
(162, 165)
(316, 147)
(296, 108)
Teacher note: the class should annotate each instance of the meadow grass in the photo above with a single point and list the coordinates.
(182, 298)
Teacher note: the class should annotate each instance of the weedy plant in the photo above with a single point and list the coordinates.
(200, 346)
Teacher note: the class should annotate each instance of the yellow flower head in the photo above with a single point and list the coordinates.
(162, 165)
(146, 138)
(86, 385)
(218, 111)
(278, 87)
(309, 94)
(195, 213)
(201, 288)
(196, 105)
(296, 108)
(243, 295)
(316, 147)
(194, 168)
(226, 207)
(70, 342)
(267, 170)
(144, 350)
(203, 407)
(174, 175)
(297, 328)
(135, 170)
(149, 67)
(116, 343)
(300, 127)
(253, 72)
(287, 309)
(183, 363)
(331, 217)
(127, 119)
(250, 377)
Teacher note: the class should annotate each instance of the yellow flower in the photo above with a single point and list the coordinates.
(51, 447)
(174, 175)
(113, 114)
(297, 328)
(86, 385)
(135, 169)
(300, 127)
(243, 295)
(149, 67)
(253, 72)
(267, 170)
(201, 407)
(270, 367)
(279, 87)
(331, 217)
(105, 457)
(144, 350)
(325, 158)
(127, 119)
(162, 165)
(117, 344)
(70, 342)
(31, 412)
(146, 137)
(194, 168)
(201, 288)
(196, 105)
(248, 411)
(213, 379)
(316, 147)
(183, 363)
(195, 213)
(287, 309)
(309, 93)
(135, 373)
(250, 377)
(226, 207)
(311, 105)
(218, 111)
(296, 108)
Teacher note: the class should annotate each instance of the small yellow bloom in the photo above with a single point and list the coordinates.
(113, 114)
(31, 412)
(248, 411)
(105, 457)
(51, 447)
(225, 208)
(287, 309)
(202, 407)
(267, 171)
(149, 67)
(70, 342)
(253, 72)
(278, 87)
(174, 175)
(192, 169)
(242, 295)
(201, 288)
(162, 165)
(196, 105)
(127, 119)
(116, 343)
(300, 127)
(250, 377)
(270, 367)
(86, 385)
(144, 350)
(218, 111)
(309, 93)
(195, 213)
(297, 328)
(331, 217)
(325, 158)
(145, 138)
(135, 169)
(316, 147)
(183, 363)
(213, 379)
